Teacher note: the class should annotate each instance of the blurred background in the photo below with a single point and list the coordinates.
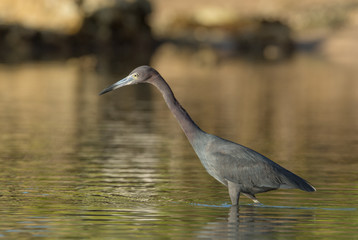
(276, 30)
(277, 76)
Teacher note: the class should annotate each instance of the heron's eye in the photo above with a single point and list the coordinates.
(135, 75)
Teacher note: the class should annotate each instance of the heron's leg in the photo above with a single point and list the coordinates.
(252, 197)
(234, 191)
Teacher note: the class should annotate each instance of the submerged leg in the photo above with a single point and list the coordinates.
(234, 191)
(252, 197)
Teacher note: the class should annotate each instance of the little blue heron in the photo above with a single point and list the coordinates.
(239, 168)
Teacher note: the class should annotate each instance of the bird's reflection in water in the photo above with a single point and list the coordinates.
(244, 225)
(253, 222)
(233, 222)
(233, 215)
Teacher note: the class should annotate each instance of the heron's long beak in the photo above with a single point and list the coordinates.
(125, 81)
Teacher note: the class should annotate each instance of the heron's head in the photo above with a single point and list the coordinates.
(141, 74)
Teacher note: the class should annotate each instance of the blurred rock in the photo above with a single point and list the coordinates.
(227, 32)
(62, 16)
(114, 28)
(266, 39)
(311, 23)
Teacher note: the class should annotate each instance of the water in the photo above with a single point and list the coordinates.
(76, 165)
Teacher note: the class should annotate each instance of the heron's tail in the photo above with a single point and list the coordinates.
(306, 186)
(291, 180)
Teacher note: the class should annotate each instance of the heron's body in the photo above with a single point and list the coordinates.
(239, 168)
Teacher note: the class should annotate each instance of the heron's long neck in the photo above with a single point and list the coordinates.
(186, 123)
